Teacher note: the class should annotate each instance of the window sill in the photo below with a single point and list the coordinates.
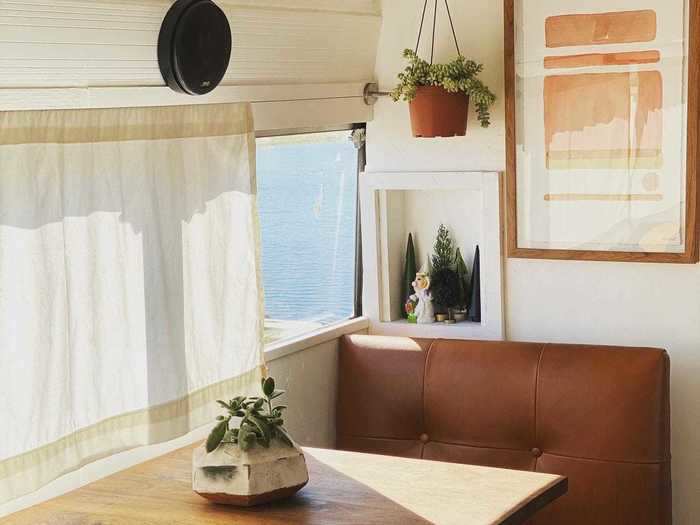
(293, 345)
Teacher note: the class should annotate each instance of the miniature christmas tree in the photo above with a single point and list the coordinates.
(445, 288)
(464, 285)
(445, 281)
(443, 251)
(475, 303)
(409, 274)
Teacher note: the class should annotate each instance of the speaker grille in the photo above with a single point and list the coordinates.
(194, 47)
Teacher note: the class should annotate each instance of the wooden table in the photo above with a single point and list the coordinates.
(345, 488)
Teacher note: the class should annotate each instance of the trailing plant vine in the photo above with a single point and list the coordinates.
(260, 422)
(458, 76)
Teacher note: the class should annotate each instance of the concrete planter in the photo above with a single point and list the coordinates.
(245, 479)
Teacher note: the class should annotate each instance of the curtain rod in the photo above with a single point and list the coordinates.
(372, 93)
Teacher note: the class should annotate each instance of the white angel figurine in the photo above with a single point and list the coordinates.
(425, 313)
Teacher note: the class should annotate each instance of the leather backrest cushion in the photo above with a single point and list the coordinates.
(482, 394)
(598, 415)
(603, 403)
(381, 388)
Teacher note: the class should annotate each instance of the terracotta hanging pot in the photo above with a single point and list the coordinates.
(435, 112)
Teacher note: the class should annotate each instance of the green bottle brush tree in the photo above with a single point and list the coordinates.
(444, 279)
(464, 290)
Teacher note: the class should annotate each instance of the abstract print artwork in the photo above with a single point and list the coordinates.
(601, 162)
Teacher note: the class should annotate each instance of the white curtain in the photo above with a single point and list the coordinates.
(130, 289)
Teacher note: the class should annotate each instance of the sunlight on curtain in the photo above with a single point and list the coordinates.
(130, 291)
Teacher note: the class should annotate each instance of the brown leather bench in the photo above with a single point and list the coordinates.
(598, 415)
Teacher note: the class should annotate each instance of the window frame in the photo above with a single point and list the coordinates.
(356, 322)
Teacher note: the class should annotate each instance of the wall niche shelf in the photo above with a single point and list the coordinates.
(395, 204)
(403, 328)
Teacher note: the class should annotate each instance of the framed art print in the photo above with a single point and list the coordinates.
(602, 129)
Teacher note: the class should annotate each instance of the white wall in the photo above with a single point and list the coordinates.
(310, 378)
(607, 303)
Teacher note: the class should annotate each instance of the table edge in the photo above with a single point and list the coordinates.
(537, 503)
(558, 487)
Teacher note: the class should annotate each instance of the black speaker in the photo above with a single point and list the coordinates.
(194, 46)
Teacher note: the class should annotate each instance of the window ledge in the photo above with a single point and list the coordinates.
(293, 345)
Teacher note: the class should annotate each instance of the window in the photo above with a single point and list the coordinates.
(307, 195)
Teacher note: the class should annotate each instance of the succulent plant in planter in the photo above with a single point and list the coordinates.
(439, 95)
(249, 458)
(260, 422)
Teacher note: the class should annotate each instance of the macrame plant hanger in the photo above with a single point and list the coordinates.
(422, 23)
(434, 111)
(372, 89)
(433, 114)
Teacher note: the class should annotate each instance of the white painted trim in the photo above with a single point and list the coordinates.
(275, 107)
(352, 7)
(287, 347)
(381, 203)
(375, 251)
(27, 98)
(310, 114)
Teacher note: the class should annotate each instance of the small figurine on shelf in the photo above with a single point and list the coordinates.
(425, 313)
(410, 309)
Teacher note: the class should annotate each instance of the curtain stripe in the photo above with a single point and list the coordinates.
(23, 474)
(124, 124)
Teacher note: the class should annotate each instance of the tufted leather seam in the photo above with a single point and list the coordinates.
(378, 438)
(441, 442)
(537, 388)
(554, 454)
(618, 461)
(480, 447)
(425, 377)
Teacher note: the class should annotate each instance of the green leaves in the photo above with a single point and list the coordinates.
(456, 76)
(257, 426)
(217, 436)
(268, 386)
(443, 250)
(445, 286)
(246, 437)
(284, 436)
(444, 281)
(263, 429)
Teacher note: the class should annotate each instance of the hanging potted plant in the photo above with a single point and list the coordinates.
(439, 94)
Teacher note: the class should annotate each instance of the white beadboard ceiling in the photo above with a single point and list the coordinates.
(79, 43)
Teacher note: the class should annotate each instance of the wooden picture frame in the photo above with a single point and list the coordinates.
(690, 253)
